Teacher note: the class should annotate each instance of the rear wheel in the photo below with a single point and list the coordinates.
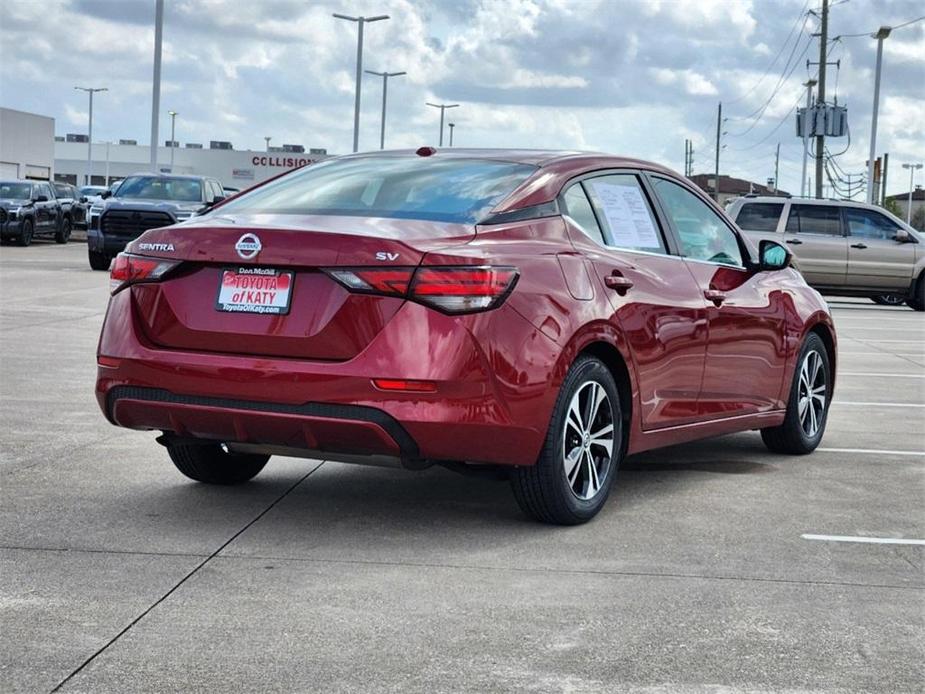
(98, 261)
(917, 301)
(889, 299)
(25, 233)
(573, 475)
(808, 405)
(64, 233)
(212, 464)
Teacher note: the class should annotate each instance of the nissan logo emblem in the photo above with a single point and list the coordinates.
(248, 246)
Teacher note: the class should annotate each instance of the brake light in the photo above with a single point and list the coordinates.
(128, 269)
(405, 385)
(451, 289)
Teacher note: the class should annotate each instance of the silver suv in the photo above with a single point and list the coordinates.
(843, 248)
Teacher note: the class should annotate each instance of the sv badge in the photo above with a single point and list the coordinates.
(382, 255)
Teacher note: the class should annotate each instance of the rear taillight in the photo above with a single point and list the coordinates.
(451, 289)
(130, 269)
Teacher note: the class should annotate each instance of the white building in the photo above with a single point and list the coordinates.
(237, 168)
(27, 145)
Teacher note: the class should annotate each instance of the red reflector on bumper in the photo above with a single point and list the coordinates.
(109, 362)
(404, 385)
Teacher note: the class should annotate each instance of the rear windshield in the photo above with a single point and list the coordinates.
(452, 190)
(759, 216)
(160, 188)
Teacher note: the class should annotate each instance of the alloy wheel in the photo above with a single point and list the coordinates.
(812, 393)
(588, 440)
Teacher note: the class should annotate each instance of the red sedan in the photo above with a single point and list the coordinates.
(544, 313)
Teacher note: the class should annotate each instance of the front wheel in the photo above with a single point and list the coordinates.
(64, 233)
(211, 463)
(889, 299)
(98, 261)
(808, 405)
(25, 233)
(575, 470)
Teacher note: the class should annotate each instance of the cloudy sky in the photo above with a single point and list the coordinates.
(634, 77)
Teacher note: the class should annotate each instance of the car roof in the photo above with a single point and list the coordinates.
(158, 174)
(806, 201)
(535, 157)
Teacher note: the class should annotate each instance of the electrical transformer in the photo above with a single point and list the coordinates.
(822, 119)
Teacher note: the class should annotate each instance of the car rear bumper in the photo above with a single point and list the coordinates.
(479, 412)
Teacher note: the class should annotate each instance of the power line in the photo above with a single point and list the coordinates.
(869, 33)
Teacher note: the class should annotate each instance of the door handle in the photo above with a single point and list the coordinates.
(618, 283)
(861, 246)
(794, 242)
(715, 295)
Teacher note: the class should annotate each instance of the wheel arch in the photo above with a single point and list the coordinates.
(827, 334)
(616, 364)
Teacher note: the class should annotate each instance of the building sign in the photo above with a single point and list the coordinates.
(243, 173)
(284, 162)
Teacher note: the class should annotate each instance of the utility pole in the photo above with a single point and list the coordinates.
(886, 163)
(804, 188)
(820, 99)
(173, 130)
(719, 121)
(356, 104)
(777, 167)
(90, 91)
(882, 33)
(156, 90)
(385, 88)
(443, 108)
(267, 138)
(452, 125)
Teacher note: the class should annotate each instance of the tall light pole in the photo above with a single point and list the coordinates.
(804, 187)
(385, 88)
(912, 168)
(443, 108)
(356, 106)
(268, 138)
(452, 125)
(882, 33)
(156, 89)
(90, 91)
(173, 129)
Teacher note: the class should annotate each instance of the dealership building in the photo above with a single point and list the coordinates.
(232, 167)
(26, 145)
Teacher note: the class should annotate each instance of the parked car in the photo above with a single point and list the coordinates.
(542, 314)
(141, 202)
(74, 207)
(30, 208)
(842, 247)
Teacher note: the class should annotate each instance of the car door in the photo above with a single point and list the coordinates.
(43, 209)
(656, 304)
(816, 237)
(875, 258)
(746, 311)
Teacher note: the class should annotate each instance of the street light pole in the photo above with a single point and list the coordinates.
(804, 188)
(385, 88)
(452, 125)
(443, 108)
(268, 138)
(356, 105)
(912, 168)
(156, 89)
(882, 33)
(173, 142)
(90, 91)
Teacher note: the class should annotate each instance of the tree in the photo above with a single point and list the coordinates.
(893, 208)
(918, 218)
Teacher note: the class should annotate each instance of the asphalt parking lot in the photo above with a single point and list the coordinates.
(118, 574)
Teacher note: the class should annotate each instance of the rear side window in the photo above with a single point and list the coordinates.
(62, 190)
(869, 224)
(579, 209)
(759, 216)
(814, 219)
(624, 212)
(428, 188)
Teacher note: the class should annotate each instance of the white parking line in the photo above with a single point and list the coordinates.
(851, 403)
(879, 374)
(869, 540)
(842, 352)
(871, 451)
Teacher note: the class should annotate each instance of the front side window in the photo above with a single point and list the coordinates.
(759, 216)
(579, 209)
(870, 224)
(814, 219)
(624, 212)
(161, 188)
(428, 188)
(702, 233)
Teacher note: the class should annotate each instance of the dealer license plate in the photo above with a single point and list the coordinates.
(255, 290)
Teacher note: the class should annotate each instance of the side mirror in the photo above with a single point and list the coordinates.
(772, 256)
(902, 236)
(106, 194)
(42, 198)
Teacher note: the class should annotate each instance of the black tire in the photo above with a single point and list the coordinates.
(64, 233)
(212, 464)
(917, 302)
(796, 436)
(98, 261)
(545, 491)
(26, 232)
(889, 299)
